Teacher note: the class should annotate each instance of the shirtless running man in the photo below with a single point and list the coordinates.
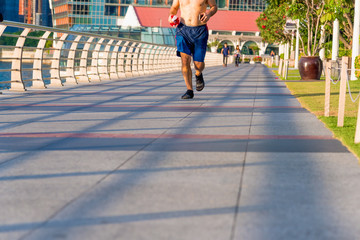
(191, 38)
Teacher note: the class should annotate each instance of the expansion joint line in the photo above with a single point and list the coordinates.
(237, 206)
(110, 173)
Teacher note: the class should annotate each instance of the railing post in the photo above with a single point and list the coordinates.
(17, 83)
(141, 59)
(121, 60)
(156, 59)
(357, 131)
(129, 60)
(38, 81)
(151, 59)
(342, 94)
(148, 49)
(280, 67)
(161, 61)
(103, 66)
(94, 70)
(55, 64)
(286, 68)
(174, 60)
(113, 62)
(167, 62)
(166, 59)
(327, 88)
(135, 60)
(2, 29)
(83, 73)
(70, 70)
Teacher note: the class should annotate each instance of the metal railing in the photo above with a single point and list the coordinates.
(341, 74)
(78, 57)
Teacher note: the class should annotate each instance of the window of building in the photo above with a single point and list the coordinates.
(123, 10)
(81, 9)
(111, 10)
(247, 5)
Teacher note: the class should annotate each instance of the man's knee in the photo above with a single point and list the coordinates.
(185, 59)
(199, 65)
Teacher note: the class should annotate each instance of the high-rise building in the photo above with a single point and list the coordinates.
(9, 10)
(35, 12)
(67, 13)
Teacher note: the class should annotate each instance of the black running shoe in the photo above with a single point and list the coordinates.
(200, 84)
(188, 95)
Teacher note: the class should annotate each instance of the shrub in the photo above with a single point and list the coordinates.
(257, 59)
(214, 43)
(357, 67)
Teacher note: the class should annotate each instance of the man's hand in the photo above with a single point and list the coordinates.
(204, 17)
(174, 20)
(170, 18)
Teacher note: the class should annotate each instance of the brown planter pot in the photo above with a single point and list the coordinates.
(310, 68)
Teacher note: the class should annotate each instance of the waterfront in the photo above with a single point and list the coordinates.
(6, 76)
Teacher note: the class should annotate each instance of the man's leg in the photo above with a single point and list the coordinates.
(199, 67)
(187, 74)
(186, 70)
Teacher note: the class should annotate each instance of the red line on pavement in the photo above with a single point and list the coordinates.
(136, 106)
(160, 93)
(160, 136)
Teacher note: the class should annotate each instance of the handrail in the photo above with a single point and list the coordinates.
(83, 57)
(58, 30)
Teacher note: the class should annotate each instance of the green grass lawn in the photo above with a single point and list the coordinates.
(311, 95)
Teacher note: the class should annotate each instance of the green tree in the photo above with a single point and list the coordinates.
(343, 10)
(311, 15)
(272, 21)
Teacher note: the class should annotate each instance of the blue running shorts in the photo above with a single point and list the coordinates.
(192, 41)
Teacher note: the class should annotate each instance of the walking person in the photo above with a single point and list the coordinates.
(237, 56)
(225, 52)
(191, 38)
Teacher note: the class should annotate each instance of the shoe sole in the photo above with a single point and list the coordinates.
(186, 97)
(200, 87)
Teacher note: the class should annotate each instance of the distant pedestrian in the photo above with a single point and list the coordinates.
(225, 52)
(237, 56)
(272, 53)
(1, 17)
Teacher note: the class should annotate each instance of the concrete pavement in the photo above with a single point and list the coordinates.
(129, 159)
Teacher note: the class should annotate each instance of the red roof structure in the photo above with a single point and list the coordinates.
(222, 21)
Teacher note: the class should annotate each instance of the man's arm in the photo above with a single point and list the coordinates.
(211, 12)
(174, 9)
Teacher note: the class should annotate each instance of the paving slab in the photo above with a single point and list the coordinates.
(128, 159)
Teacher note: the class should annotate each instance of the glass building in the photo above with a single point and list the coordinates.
(107, 17)
(67, 13)
(156, 35)
(9, 9)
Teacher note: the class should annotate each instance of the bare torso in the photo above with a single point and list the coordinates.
(190, 11)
